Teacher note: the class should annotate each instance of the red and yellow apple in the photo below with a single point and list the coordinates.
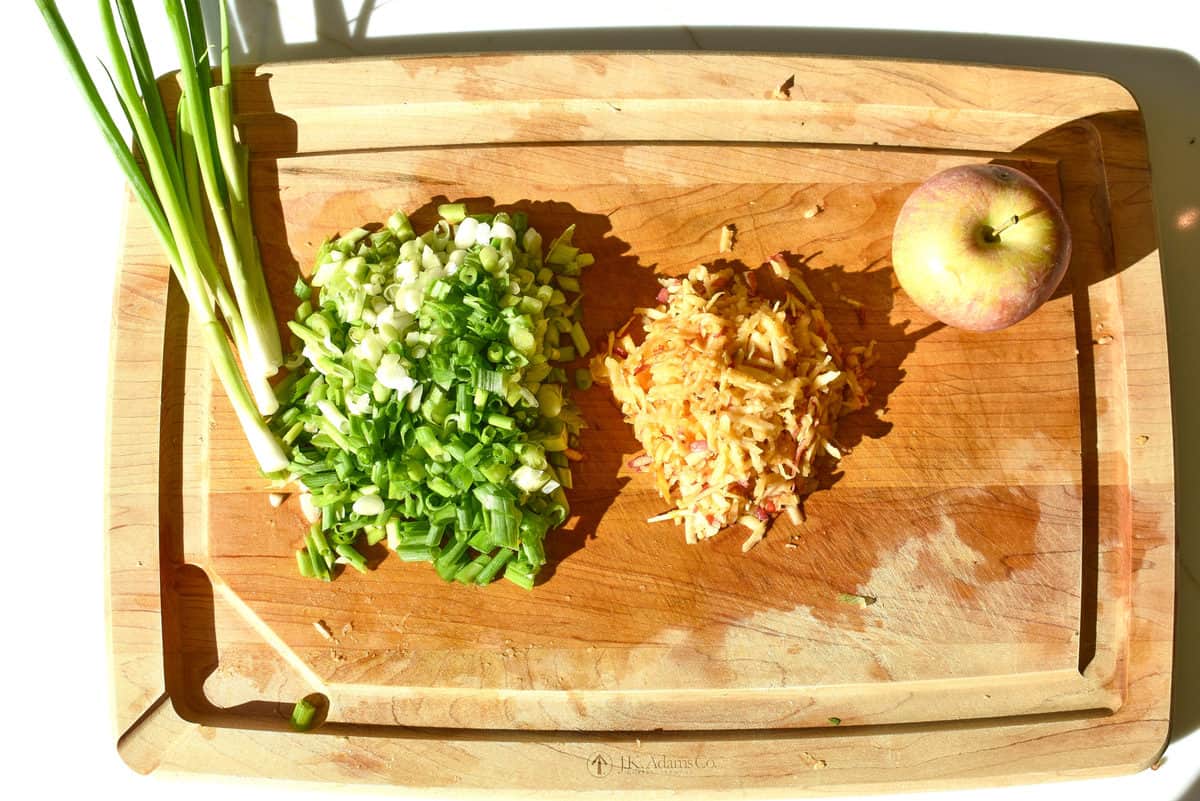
(980, 247)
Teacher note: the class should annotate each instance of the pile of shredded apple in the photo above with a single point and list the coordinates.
(734, 397)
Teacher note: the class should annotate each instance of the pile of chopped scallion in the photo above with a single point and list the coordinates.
(426, 408)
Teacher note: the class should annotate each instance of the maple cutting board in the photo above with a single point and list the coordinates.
(1005, 504)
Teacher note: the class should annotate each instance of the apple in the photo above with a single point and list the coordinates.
(980, 246)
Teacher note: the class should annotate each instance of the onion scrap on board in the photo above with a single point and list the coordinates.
(734, 397)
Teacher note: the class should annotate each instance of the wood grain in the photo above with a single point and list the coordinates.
(1007, 499)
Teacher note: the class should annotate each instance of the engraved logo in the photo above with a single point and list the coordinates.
(599, 765)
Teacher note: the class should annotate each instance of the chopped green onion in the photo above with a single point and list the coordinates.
(582, 346)
(519, 576)
(493, 567)
(522, 340)
(501, 421)
(564, 478)
(442, 487)
(375, 534)
(470, 573)
(415, 553)
(452, 212)
(425, 401)
(317, 562)
(303, 715)
(317, 533)
(356, 559)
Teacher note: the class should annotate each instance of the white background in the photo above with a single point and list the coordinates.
(63, 203)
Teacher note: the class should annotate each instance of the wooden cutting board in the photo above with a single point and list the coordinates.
(1007, 499)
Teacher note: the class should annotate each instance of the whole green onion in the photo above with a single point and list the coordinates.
(172, 205)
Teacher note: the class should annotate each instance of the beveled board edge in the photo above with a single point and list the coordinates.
(830, 761)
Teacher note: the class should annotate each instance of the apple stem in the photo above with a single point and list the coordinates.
(995, 235)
